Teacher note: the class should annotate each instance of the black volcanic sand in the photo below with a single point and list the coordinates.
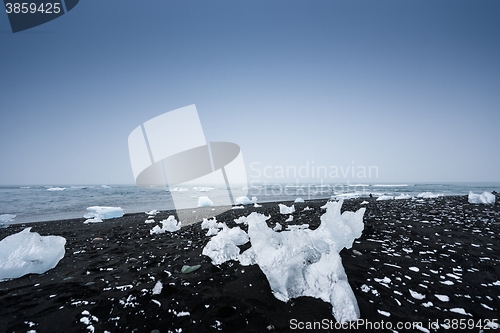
(410, 251)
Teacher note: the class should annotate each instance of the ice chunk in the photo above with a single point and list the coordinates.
(105, 186)
(299, 200)
(485, 198)
(256, 205)
(277, 227)
(27, 252)
(157, 288)
(385, 197)
(224, 246)
(205, 202)
(153, 212)
(245, 200)
(364, 203)
(240, 220)
(99, 213)
(209, 223)
(289, 219)
(307, 262)
(429, 195)
(286, 210)
(170, 225)
(307, 208)
(5, 218)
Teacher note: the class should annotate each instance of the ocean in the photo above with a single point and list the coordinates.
(48, 203)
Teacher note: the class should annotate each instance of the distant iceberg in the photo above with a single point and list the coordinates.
(205, 202)
(99, 213)
(484, 198)
(245, 200)
(27, 252)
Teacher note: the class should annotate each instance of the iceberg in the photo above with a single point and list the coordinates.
(484, 198)
(245, 200)
(99, 213)
(27, 253)
(305, 262)
(286, 210)
(224, 246)
(170, 225)
(205, 202)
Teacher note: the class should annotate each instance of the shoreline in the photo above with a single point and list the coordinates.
(409, 252)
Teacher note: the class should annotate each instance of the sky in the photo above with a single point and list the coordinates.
(408, 89)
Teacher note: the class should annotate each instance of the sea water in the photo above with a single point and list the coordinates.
(51, 202)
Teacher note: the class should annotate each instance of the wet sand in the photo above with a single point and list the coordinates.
(410, 251)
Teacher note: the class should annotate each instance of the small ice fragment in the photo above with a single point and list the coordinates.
(460, 311)
(289, 219)
(384, 313)
(403, 196)
(307, 208)
(414, 269)
(364, 203)
(416, 295)
(277, 227)
(188, 269)
(286, 210)
(385, 197)
(153, 212)
(205, 201)
(170, 225)
(256, 205)
(299, 200)
(157, 288)
(442, 298)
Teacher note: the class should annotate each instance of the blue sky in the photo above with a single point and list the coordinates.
(408, 87)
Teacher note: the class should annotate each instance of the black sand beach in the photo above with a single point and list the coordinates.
(410, 251)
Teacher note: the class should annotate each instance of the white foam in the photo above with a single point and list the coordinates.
(99, 213)
(56, 189)
(429, 195)
(484, 198)
(5, 218)
(385, 197)
(27, 252)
